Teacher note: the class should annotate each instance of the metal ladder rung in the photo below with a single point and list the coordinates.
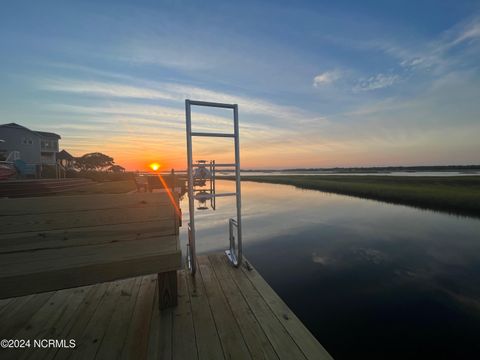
(211, 104)
(212, 134)
(209, 196)
(216, 165)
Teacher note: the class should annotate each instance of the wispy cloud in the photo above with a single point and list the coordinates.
(175, 93)
(376, 82)
(104, 89)
(455, 47)
(326, 78)
(437, 53)
(467, 31)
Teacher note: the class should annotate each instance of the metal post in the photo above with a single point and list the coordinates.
(238, 185)
(214, 190)
(191, 201)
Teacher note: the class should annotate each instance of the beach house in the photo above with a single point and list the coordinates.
(33, 147)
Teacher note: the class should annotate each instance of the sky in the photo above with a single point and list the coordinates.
(318, 83)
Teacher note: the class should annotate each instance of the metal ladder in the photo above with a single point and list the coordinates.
(234, 253)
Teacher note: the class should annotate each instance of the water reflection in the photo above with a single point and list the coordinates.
(367, 278)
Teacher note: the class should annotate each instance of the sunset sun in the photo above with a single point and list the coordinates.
(154, 166)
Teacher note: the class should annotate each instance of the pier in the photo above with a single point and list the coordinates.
(222, 313)
(105, 272)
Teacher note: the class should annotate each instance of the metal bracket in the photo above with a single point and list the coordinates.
(192, 265)
(234, 254)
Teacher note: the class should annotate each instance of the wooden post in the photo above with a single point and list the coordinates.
(167, 289)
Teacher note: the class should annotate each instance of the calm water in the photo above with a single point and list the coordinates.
(327, 173)
(367, 278)
(379, 173)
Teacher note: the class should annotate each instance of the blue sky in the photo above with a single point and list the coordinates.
(342, 83)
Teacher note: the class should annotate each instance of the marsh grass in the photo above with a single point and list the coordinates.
(453, 194)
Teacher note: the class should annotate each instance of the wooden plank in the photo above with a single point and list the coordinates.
(167, 289)
(4, 303)
(93, 334)
(11, 307)
(309, 345)
(136, 342)
(64, 204)
(80, 320)
(22, 284)
(11, 224)
(53, 259)
(58, 329)
(256, 340)
(92, 235)
(280, 339)
(48, 320)
(231, 338)
(184, 338)
(160, 338)
(17, 317)
(116, 332)
(208, 342)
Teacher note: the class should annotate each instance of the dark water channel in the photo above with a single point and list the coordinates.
(369, 279)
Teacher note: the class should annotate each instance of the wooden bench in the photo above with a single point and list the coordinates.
(149, 182)
(141, 181)
(57, 242)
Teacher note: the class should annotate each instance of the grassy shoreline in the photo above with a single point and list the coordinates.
(452, 194)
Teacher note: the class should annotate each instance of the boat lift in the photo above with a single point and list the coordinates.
(202, 173)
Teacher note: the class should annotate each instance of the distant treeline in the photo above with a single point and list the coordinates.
(384, 168)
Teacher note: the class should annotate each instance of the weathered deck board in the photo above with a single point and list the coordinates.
(75, 203)
(86, 236)
(208, 342)
(136, 343)
(94, 333)
(63, 258)
(229, 333)
(255, 338)
(185, 346)
(20, 312)
(81, 319)
(113, 341)
(79, 219)
(223, 313)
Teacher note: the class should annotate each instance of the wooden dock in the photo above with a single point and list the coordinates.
(222, 313)
(39, 187)
(101, 277)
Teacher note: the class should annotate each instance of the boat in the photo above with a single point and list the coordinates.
(7, 170)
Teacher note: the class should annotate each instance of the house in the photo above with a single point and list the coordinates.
(33, 147)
